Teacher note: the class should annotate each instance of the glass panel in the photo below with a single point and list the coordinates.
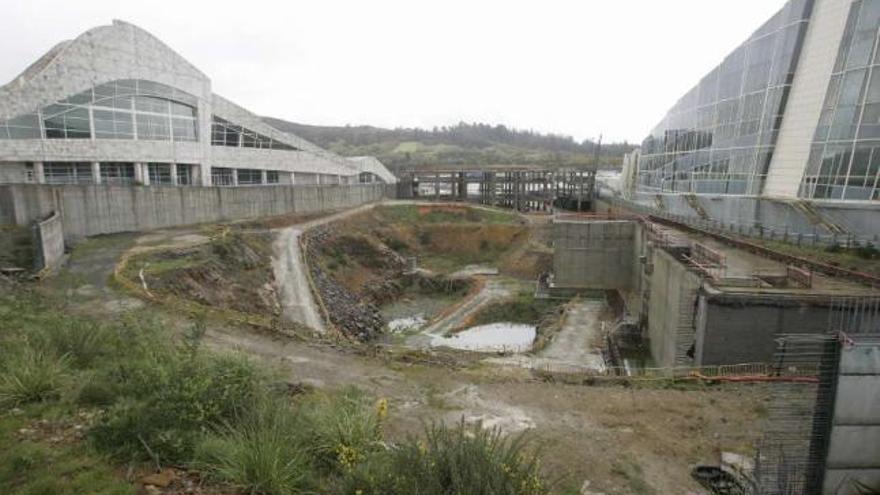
(117, 173)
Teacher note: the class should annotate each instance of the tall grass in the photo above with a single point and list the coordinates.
(262, 454)
(31, 375)
(460, 459)
(341, 430)
(174, 402)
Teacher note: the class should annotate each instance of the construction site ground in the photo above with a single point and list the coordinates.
(637, 438)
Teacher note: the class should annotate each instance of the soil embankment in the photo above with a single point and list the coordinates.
(380, 256)
(231, 271)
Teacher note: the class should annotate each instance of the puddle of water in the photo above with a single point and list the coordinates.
(407, 323)
(496, 337)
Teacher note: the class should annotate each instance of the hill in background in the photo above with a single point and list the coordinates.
(463, 144)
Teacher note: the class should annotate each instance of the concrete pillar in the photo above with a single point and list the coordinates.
(173, 168)
(96, 172)
(235, 177)
(263, 177)
(144, 171)
(39, 173)
(203, 170)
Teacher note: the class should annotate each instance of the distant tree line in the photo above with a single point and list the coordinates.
(464, 143)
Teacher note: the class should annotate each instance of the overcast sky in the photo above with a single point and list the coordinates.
(578, 67)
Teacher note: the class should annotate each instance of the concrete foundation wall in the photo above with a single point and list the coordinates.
(594, 254)
(48, 242)
(854, 450)
(737, 329)
(672, 310)
(94, 209)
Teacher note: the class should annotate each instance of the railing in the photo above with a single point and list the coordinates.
(771, 233)
(746, 372)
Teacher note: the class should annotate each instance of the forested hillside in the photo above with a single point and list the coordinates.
(463, 144)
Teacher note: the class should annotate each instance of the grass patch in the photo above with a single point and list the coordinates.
(462, 459)
(154, 399)
(444, 214)
(16, 247)
(29, 467)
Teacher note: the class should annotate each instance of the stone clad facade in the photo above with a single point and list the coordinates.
(118, 106)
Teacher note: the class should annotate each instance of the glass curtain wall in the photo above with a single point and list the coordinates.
(124, 109)
(845, 157)
(225, 133)
(719, 138)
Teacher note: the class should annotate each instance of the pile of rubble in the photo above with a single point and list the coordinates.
(348, 313)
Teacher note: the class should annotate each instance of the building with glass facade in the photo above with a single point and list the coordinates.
(118, 106)
(791, 114)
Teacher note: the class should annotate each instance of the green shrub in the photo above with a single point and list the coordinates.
(84, 343)
(341, 430)
(868, 251)
(463, 459)
(260, 455)
(31, 375)
(173, 401)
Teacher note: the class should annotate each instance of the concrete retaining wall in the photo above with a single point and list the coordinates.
(594, 254)
(737, 328)
(97, 209)
(672, 310)
(854, 449)
(48, 242)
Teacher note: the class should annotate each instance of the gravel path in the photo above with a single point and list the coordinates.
(298, 304)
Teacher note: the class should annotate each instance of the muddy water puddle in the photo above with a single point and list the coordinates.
(413, 313)
(495, 337)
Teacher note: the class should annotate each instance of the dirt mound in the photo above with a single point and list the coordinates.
(233, 271)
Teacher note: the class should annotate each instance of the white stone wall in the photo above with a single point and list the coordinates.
(807, 95)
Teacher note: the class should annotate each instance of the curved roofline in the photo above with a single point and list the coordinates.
(56, 53)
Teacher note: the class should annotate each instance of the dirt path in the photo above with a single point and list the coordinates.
(298, 304)
(291, 280)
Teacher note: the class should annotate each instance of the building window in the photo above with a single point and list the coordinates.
(153, 127)
(159, 174)
(184, 174)
(117, 173)
(22, 127)
(249, 177)
(113, 124)
(272, 177)
(67, 172)
(66, 122)
(115, 110)
(221, 176)
(225, 133)
(844, 162)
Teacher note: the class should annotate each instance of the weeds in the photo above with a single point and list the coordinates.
(341, 430)
(31, 375)
(177, 403)
(461, 459)
(260, 455)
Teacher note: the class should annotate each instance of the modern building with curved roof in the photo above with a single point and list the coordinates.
(118, 106)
